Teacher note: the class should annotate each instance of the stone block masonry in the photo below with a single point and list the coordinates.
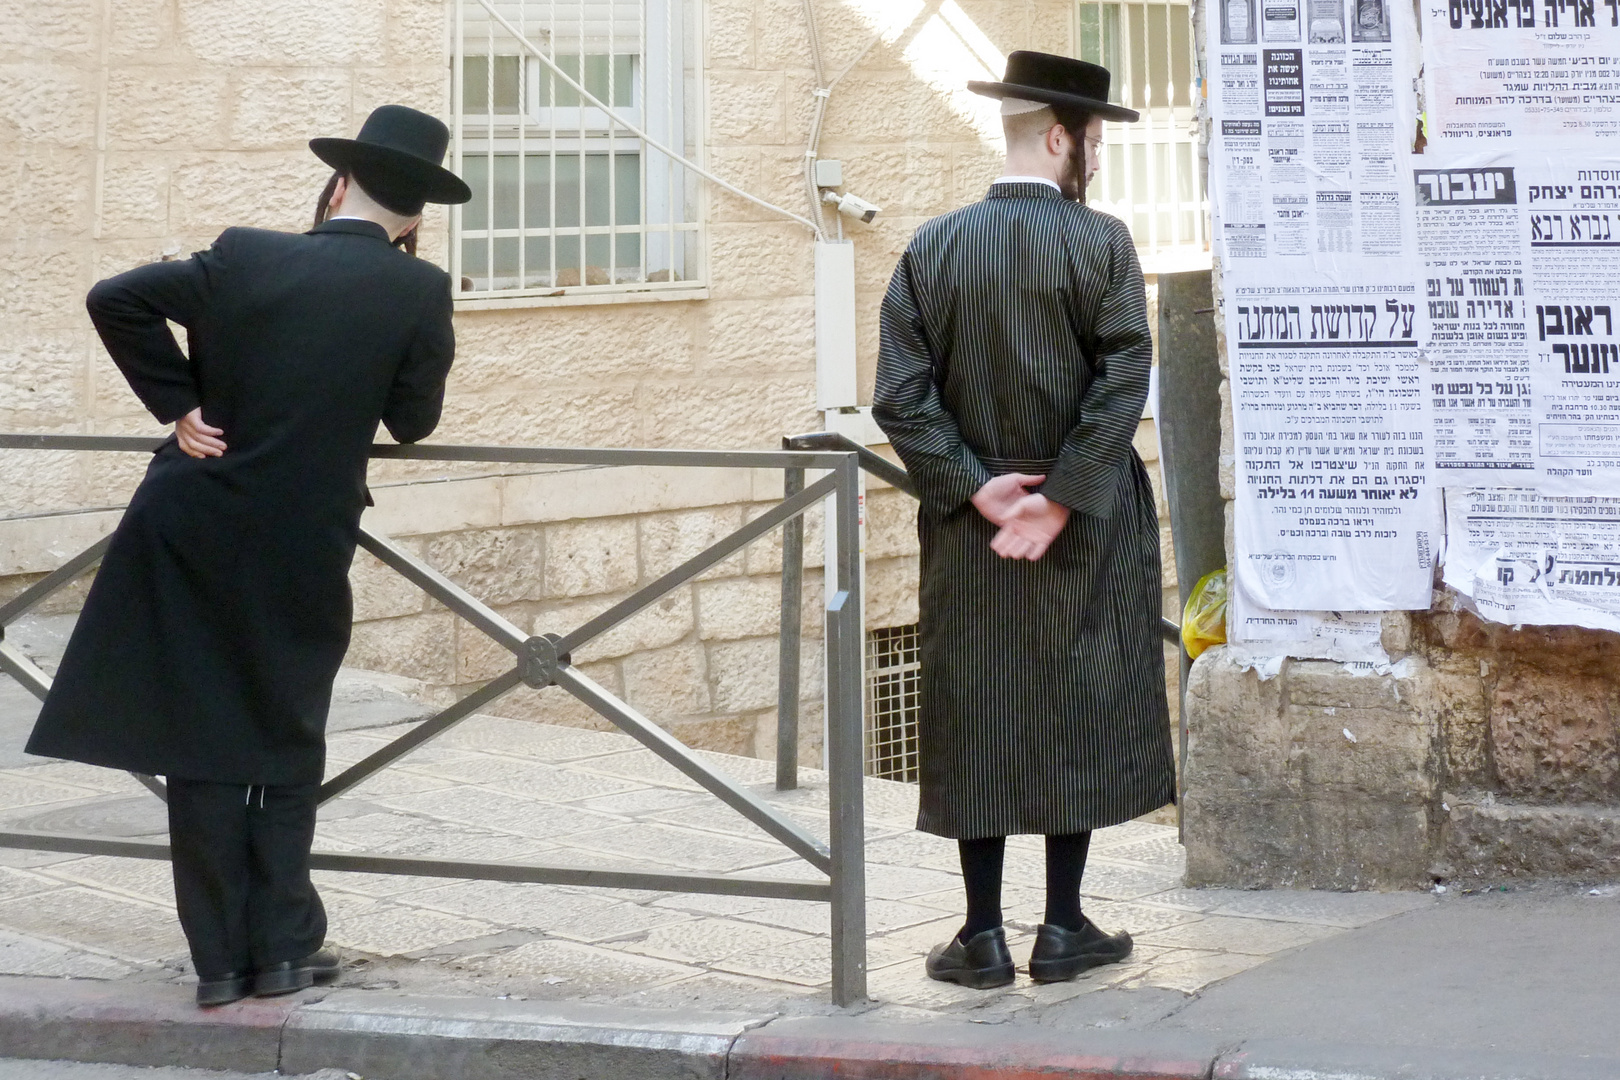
(1487, 753)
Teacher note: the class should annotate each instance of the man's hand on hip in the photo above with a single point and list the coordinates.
(997, 498)
(196, 437)
(1030, 528)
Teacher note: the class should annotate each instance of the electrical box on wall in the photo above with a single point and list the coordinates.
(835, 325)
(829, 173)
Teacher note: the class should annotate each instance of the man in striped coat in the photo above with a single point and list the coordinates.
(1013, 370)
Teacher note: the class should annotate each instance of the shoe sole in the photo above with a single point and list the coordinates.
(976, 978)
(225, 995)
(1049, 971)
(290, 982)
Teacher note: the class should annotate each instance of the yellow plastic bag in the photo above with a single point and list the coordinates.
(1204, 622)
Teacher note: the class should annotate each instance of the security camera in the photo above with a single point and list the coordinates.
(852, 206)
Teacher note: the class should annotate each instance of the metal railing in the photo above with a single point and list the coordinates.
(545, 660)
(787, 699)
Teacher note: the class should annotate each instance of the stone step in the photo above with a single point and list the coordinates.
(1486, 839)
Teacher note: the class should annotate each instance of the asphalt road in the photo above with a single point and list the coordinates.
(1529, 970)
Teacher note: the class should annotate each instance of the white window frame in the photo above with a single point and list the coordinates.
(666, 241)
(1171, 231)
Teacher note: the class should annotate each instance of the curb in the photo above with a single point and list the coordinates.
(425, 1038)
(813, 1048)
(1279, 1059)
(137, 1024)
(404, 1038)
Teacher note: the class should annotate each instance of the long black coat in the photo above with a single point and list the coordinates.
(210, 639)
(1015, 339)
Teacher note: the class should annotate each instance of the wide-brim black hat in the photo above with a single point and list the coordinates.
(1056, 80)
(397, 158)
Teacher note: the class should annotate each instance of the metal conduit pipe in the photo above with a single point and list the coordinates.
(822, 92)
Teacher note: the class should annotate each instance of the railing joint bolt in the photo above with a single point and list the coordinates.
(540, 660)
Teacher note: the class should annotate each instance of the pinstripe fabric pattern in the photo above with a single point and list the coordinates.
(1014, 333)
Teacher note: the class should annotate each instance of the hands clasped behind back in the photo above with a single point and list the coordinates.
(1028, 521)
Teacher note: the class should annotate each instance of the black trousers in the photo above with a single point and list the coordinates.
(241, 873)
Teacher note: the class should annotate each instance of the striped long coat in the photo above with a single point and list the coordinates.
(1015, 339)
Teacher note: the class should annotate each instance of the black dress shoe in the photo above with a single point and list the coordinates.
(320, 966)
(223, 989)
(1061, 954)
(982, 963)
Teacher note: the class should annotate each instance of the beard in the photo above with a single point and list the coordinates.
(1073, 181)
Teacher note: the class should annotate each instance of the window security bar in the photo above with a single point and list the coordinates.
(544, 660)
(1150, 176)
(575, 126)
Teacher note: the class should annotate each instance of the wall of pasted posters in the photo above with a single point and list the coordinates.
(1424, 361)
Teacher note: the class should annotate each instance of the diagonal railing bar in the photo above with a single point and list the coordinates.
(24, 670)
(784, 511)
(40, 591)
(418, 866)
(421, 733)
(34, 679)
(673, 751)
(444, 590)
(153, 784)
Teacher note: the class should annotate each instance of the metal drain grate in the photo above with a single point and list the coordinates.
(892, 688)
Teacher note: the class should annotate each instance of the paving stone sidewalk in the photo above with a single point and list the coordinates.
(495, 788)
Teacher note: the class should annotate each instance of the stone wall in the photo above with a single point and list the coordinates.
(701, 661)
(1486, 753)
(139, 130)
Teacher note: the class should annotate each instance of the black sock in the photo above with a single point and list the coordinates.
(981, 874)
(1065, 864)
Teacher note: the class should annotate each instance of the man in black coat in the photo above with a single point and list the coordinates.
(210, 640)
(1013, 368)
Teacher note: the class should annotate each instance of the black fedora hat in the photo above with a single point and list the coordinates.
(397, 158)
(1056, 80)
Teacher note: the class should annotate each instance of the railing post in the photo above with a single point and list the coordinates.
(845, 738)
(787, 682)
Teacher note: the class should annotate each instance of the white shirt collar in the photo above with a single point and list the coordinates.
(1027, 180)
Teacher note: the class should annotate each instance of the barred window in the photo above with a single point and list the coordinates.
(893, 683)
(1150, 177)
(565, 198)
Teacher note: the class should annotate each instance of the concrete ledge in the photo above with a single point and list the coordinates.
(432, 1038)
(848, 1049)
(39, 544)
(137, 1024)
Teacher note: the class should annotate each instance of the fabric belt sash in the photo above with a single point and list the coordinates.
(1031, 466)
